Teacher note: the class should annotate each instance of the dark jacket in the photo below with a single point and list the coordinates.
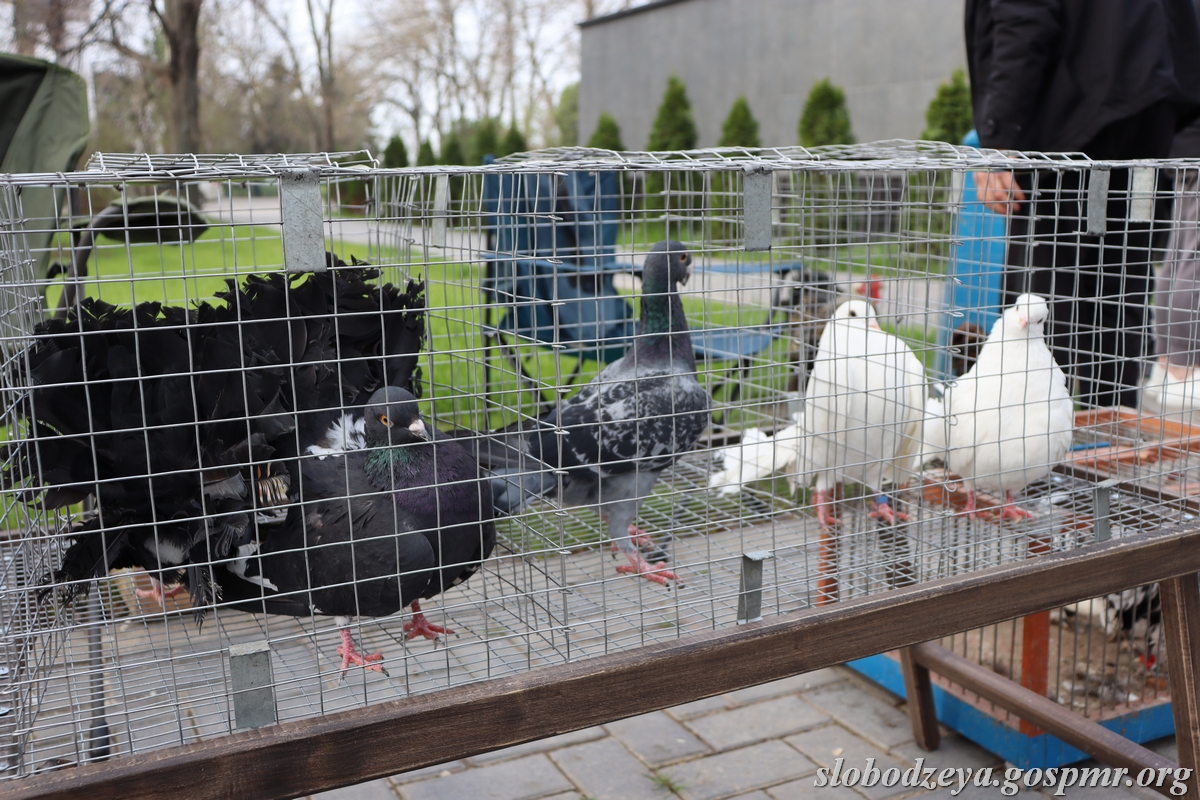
(1187, 142)
(1050, 74)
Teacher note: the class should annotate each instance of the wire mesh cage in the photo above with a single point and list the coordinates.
(634, 396)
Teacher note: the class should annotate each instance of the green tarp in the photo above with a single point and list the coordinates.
(43, 128)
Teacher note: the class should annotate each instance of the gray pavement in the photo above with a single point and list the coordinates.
(762, 743)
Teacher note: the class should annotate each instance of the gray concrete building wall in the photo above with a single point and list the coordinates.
(888, 55)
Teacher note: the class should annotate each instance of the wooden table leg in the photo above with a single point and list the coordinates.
(1181, 625)
(918, 689)
(827, 569)
(1035, 660)
(1035, 645)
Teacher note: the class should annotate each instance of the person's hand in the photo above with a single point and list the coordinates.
(999, 192)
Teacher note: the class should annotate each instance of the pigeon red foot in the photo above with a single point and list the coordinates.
(636, 535)
(350, 655)
(157, 592)
(644, 569)
(883, 510)
(419, 625)
(1010, 509)
(825, 515)
(640, 537)
(971, 511)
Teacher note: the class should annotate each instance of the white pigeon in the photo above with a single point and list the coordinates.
(935, 432)
(757, 456)
(1011, 417)
(864, 405)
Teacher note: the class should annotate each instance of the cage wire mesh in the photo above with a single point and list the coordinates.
(507, 298)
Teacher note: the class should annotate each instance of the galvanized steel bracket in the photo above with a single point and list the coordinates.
(253, 685)
(303, 223)
(757, 185)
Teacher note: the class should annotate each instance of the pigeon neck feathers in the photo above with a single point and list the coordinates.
(662, 310)
(1016, 343)
(395, 435)
(664, 324)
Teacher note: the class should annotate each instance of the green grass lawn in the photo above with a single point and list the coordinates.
(455, 365)
(182, 274)
(177, 274)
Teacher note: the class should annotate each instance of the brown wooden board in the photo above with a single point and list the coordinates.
(313, 755)
(918, 690)
(1181, 624)
(1093, 739)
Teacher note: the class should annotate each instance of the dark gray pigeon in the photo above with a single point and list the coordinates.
(608, 444)
(372, 531)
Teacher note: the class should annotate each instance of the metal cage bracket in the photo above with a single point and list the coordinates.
(757, 183)
(252, 685)
(1097, 202)
(750, 594)
(300, 209)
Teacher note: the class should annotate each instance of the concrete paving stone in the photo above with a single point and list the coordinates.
(656, 738)
(825, 745)
(970, 793)
(954, 751)
(539, 746)
(371, 790)
(522, 779)
(1123, 792)
(863, 713)
(753, 723)
(698, 707)
(796, 683)
(604, 769)
(806, 789)
(1107, 793)
(425, 772)
(727, 774)
(759, 795)
(567, 796)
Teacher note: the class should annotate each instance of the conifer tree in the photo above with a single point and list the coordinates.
(395, 155)
(607, 135)
(825, 119)
(452, 150)
(566, 114)
(485, 140)
(514, 140)
(425, 155)
(674, 128)
(740, 128)
(949, 116)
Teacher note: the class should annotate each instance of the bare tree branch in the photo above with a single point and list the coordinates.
(285, 37)
(151, 65)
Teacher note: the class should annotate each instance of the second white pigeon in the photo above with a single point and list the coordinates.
(759, 456)
(864, 405)
(1011, 416)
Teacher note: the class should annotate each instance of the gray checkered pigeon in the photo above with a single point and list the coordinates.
(607, 445)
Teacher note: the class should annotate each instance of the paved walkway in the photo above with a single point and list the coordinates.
(762, 743)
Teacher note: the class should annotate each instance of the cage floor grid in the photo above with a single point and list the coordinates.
(166, 682)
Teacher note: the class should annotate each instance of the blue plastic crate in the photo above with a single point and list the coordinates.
(1027, 752)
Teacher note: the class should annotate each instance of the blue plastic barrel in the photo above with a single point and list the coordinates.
(977, 263)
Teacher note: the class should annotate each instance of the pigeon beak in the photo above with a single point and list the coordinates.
(872, 323)
(418, 430)
(1022, 322)
(687, 274)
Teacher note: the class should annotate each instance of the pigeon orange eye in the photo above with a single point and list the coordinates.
(383, 418)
